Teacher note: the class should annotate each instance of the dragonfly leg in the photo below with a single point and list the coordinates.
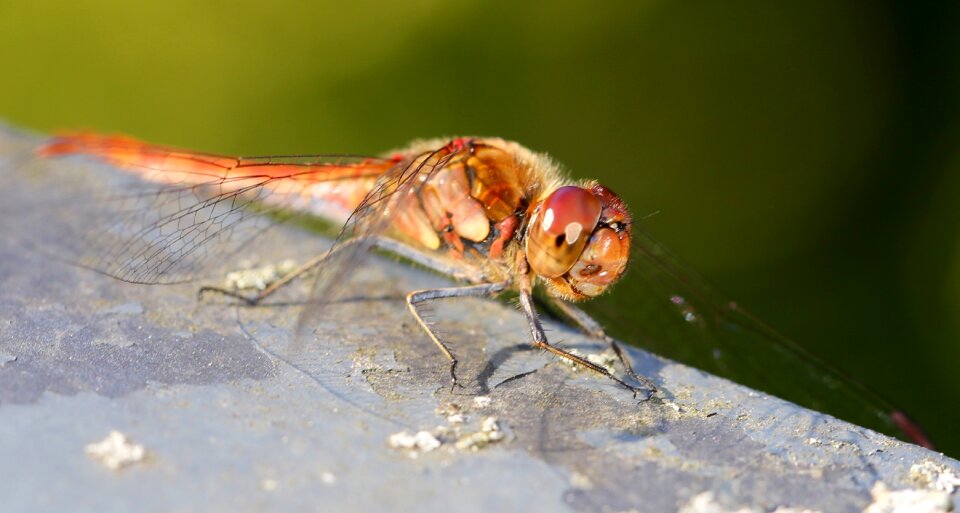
(389, 245)
(419, 296)
(591, 327)
(539, 340)
(275, 286)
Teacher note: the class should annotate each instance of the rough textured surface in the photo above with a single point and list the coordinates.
(237, 414)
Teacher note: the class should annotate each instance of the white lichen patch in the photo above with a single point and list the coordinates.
(706, 502)
(934, 476)
(581, 481)
(453, 413)
(422, 441)
(116, 451)
(258, 278)
(606, 359)
(907, 501)
(490, 432)
(672, 405)
(481, 401)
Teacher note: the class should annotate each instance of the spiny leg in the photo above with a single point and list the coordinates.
(539, 339)
(276, 285)
(591, 327)
(392, 246)
(419, 296)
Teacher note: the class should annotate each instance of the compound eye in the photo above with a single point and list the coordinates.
(561, 229)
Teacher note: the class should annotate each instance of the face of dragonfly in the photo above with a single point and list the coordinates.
(578, 241)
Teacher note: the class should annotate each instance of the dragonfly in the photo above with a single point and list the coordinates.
(490, 213)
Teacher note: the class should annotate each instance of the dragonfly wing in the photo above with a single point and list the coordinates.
(372, 219)
(678, 315)
(161, 215)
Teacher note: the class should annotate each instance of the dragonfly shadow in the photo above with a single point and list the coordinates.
(271, 343)
(495, 361)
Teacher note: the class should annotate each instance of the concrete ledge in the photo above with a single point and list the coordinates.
(235, 414)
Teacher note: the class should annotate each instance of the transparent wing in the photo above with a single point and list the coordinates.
(677, 314)
(370, 220)
(161, 215)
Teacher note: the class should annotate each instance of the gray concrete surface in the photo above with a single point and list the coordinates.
(236, 414)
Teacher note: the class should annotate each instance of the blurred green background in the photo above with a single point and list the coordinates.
(802, 156)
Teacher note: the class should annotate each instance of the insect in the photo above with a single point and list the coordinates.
(485, 211)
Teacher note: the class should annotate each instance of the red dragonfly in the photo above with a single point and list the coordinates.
(485, 211)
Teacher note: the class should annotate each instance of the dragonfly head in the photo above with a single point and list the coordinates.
(578, 240)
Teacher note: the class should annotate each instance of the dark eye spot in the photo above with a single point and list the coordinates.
(590, 270)
(559, 240)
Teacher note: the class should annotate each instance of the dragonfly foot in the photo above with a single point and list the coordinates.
(454, 382)
(226, 292)
(648, 388)
(650, 392)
